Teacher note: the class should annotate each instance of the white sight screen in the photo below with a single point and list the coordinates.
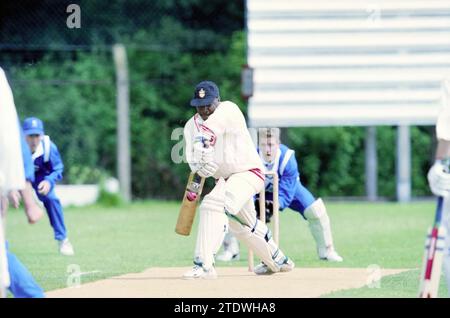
(333, 63)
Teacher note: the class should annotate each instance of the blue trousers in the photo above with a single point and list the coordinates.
(55, 214)
(23, 284)
(303, 198)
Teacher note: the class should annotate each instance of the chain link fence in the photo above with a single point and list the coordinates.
(58, 58)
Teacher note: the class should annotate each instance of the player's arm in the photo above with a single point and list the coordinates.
(216, 124)
(443, 149)
(227, 117)
(287, 183)
(26, 193)
(189, 150)
(199, 153)
(27, 160)
(11, 162)
(443, 125)
(439, 176)
(204, 147)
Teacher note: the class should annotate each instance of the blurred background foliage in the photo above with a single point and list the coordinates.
(331, 160)
(66, 77)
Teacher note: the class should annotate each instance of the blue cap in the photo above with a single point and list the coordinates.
(205, 93)
(33, 126)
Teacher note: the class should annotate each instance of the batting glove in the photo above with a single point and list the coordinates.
(202, 155)
(439, 179)
(208, 169)
(269, 210)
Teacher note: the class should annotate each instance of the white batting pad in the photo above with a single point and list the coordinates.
(256, 236)
(231, 243)
(212, 227)
(319, 224)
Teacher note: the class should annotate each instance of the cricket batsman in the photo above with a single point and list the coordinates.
(13, 274)
(219, 145)
(438, 176)
(292, 194)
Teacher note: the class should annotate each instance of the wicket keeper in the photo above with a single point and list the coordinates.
(292, 194)
(48, 170)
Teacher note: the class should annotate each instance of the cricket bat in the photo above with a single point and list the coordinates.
(432, 260)
(189, 205)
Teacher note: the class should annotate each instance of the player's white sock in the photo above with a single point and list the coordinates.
(230, 249)
(198, 272)
(231, 244)
(65, 247)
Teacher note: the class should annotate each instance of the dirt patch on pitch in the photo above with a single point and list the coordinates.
(232, 282)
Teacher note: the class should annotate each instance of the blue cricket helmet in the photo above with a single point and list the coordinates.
(205, 93)
(33, 126)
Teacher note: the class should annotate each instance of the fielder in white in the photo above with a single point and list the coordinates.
(219, 145)
(438, 178)
(12, 175)
(13, 274)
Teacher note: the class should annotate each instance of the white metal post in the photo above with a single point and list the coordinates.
(123, 121)
(403, 164)
(371, 163)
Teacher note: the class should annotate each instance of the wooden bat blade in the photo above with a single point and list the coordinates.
(189, 205)
(186, 216)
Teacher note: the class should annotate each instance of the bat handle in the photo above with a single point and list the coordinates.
(195, 184)
(438, 218)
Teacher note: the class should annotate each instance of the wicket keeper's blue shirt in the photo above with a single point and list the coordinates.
(47, 163)
(291, 192)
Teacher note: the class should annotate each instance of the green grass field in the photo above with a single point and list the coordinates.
(114, 241)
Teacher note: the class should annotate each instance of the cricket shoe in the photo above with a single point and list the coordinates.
(66, 248)
(227, 256)
(262, 269)
(198, 272)
(331, 255)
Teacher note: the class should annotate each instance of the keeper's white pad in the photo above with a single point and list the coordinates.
(212, 226)
(319, 225)
(446, 223)
(231, 244)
